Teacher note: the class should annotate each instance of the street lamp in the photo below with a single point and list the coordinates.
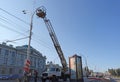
(27, 61)
(30, 33)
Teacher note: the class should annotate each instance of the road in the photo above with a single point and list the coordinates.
(23, 81)
(104, 80)
(90, 80)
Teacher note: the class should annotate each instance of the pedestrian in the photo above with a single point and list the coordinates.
(35, 75)
(27, 76)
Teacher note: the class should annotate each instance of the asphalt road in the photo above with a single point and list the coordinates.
(105, 80)
(93, 80)
(23, 81)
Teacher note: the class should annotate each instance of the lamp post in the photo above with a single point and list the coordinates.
(27, 61)
(30, 32)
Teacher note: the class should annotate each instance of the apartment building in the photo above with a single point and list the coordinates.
(12, 59)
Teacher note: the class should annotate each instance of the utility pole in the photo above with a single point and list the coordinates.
(27, 61)
(30, 35)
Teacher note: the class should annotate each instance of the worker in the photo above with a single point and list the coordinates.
(27, 76)
(35, 75)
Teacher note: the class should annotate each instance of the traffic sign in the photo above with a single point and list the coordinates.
(27, 65)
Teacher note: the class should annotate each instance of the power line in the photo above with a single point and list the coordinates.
(10, 24)
(38, 41)
(4, 26)
(9, 21)
(15, 30)
(14, 16)
(6, 20)
(42, 40)
(43, 44)
(16, 39)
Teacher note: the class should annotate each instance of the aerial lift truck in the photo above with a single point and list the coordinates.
(54, 72)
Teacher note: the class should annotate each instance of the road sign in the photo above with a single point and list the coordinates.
(27, 65)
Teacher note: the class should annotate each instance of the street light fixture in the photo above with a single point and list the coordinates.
(31, 26)
(30, 35)
(27, 61)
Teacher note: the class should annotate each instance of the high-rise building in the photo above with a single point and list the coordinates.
(12, 59)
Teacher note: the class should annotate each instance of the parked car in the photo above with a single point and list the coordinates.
(108, 78)
(15, 76)
(4, 77)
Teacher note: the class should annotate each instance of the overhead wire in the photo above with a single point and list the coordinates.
(18, 31)
(9, 28)
(38, 41)
(6, 20)
(17, 39)
(10, 21)
(14, 16)
(43, 44)
(4, 26)
(47, 43)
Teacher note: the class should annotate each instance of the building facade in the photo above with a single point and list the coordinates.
(12, 59)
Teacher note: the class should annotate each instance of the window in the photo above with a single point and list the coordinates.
(3, 70)
(6, 52)
(51, 69)
(35, 62)
(18, 59)
(20, 71)
(57, 69)
(40, 63)
(21, 60)
(5, 60)
(13, 58)
(6, 56)
(10, 70)
(0, 51)
(32, 61)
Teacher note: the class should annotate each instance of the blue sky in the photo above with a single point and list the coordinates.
(90, 28)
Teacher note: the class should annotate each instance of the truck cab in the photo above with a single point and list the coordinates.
(52, 72)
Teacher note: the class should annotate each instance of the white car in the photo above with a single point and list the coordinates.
(109, 78)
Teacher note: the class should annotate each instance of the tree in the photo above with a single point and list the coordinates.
(114, 72)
